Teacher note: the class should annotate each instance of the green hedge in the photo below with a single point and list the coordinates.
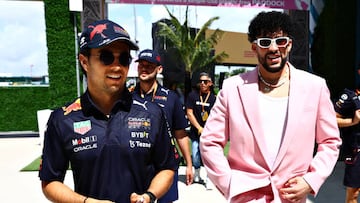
(20, 104)
(61, 52)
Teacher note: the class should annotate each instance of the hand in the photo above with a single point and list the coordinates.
(295, 189)
(200, 130)
(356, 118)
(136, 198)
(189, 175)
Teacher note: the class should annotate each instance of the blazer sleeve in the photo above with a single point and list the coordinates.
(327, 139)
(212, 143)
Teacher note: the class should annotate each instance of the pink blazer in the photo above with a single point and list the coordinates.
(235, 117)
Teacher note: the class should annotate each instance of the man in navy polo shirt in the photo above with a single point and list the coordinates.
(148, 89)
(347, 109)
(113, 143)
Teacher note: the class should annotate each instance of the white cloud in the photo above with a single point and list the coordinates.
(158, 12)
(23, 49)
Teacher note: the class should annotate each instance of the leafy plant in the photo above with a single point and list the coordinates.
(196, 50)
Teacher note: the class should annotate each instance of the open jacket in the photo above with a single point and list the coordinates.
(236, 117)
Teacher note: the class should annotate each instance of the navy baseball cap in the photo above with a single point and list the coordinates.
(103, 32)
(149, 56)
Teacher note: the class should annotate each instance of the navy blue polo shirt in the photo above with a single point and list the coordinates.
(110, 157)
(169, 101)
(347, 103)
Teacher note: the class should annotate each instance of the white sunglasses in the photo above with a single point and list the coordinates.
(266, 42)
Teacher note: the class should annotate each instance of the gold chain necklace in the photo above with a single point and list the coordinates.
(204, 114)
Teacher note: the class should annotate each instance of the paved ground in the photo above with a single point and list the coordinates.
(17, 187)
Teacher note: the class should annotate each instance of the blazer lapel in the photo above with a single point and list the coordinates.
(248, 92)
(296, 97)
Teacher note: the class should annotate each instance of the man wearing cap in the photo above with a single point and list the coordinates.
(148, 89)
(114, 144)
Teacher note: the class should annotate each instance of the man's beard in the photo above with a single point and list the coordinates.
(274, 70)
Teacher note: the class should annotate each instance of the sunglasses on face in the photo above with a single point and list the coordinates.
(107, 58)
(204, 81)
(266, 42)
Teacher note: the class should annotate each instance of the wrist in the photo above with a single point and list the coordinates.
(151, 196)
(356, 121)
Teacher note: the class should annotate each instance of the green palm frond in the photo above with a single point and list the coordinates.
(195, 49)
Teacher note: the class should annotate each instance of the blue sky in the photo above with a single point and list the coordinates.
(23, 50)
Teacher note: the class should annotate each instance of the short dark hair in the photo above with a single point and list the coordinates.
(204, 74)
(269, 22)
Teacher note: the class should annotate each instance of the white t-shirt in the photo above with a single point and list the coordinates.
(273, 112)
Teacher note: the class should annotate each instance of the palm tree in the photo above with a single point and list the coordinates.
(195, 50)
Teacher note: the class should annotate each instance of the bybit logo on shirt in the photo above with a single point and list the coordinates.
(140, 134)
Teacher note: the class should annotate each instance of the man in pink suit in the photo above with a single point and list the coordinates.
(273, 116)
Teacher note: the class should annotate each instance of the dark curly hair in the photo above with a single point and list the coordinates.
(269, 22)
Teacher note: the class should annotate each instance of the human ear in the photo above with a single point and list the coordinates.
(160, 69)
(253, 47)
(84, 62)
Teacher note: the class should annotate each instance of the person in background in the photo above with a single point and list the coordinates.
(198, 105)
(347, 109)
(148, 89)
(273, 116)
(112, 142)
